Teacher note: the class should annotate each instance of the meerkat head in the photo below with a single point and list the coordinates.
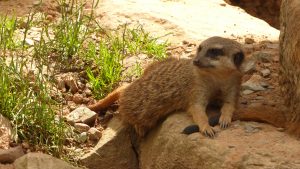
(218, 52)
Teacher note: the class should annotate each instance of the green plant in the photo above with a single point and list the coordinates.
(30, 108)
(8, 27)
(109, 67)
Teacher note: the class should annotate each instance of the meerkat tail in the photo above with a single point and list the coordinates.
(108, 100)
(263, 114)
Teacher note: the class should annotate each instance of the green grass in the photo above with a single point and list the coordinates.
(25, 98)
(110, 52)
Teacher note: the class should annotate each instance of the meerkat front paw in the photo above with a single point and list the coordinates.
(224, 121)
(207, 130)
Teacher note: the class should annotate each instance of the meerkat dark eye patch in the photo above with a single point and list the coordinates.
(238, 58)
(214, 52)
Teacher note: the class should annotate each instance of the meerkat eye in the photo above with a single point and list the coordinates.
(214, 52)
(238, 58)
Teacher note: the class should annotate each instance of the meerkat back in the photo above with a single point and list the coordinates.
(161, 90)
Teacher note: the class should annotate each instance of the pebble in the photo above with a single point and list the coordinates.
(94, 134)
(246, 92)
(249, 41)
(77, 98)
(81, 115)
(82, 137)
(255, 83)
(81, 127)
(263, 56)
(29, 42)
(265, 72)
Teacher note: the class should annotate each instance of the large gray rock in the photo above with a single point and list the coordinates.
(11, 154)
(6, 132)
(166, 148)
(41, 161)
(81, 115)
(113, 151)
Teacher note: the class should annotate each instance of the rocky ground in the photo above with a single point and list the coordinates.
(185, 30)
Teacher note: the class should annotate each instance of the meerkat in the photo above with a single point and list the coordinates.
(183, 84)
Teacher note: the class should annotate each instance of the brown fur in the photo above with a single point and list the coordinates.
(183, 84)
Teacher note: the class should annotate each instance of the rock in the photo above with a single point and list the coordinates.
(41, 161)
(251, 128)
(94, 134)
(165, 147)
(88, 92)
(11, 154)
(114, 150)
(6, 132)
(263, 56)
(29, 42)
(246, 92)
(249, 65)
(81, 127)
(249, 41)
(82, 137)
(82, 115)
(77, 98)
(255, 83)
(265, 72)
(71, 83)
(200, 27)
(36, 3)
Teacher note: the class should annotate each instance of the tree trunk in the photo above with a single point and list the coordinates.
(290, 61)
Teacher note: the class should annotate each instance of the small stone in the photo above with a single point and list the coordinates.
(82, 115)
(255, 83)
(82, 137)
(250, 128)
(273, 45)
(259, 98)
(185, 42)
(249, 41)
(188, 50)
(94, 134)
(249, 66)
(49, 17)
(68, 96)
(71, 83)
(29, 42)
(36, 3)
(246, 92)
(77, 98)
(61, 84)
(263, 56)
(88, 92)
(266, 72)
(72, 106)
(281, 129)
(81, 127)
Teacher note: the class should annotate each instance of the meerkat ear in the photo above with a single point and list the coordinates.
(199, 49)
(238, 59)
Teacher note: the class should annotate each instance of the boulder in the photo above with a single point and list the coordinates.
(114, 150)
(11, 154)
(264, 147)
(41, 161)
(6, 132)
